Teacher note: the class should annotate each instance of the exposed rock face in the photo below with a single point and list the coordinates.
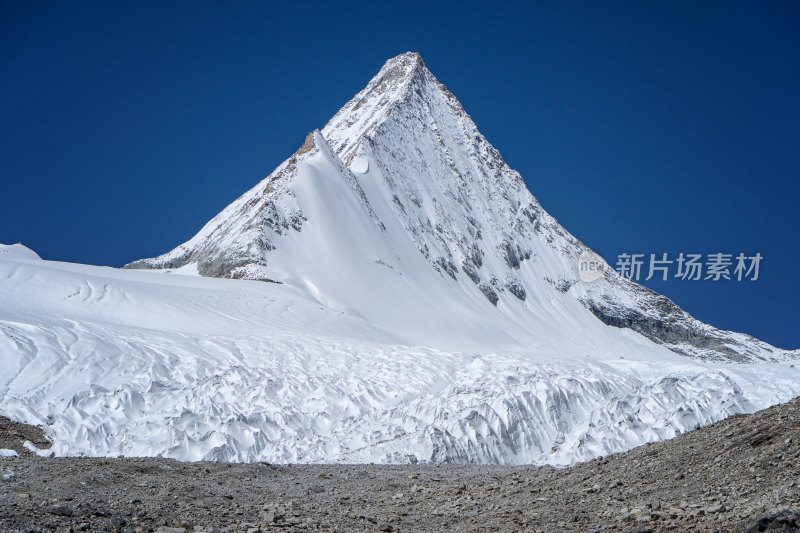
(234, 243)
(14, 435)
(660, 320)
(423, 180)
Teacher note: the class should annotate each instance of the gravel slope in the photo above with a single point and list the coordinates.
(724, 477)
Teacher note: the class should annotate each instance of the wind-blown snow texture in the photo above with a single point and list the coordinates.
(421, 306)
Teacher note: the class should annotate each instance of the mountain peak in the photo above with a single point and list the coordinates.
(413, 285)
(401, 191)
(405, 60)
(362, 115)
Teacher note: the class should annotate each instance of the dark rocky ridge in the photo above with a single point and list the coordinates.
(740, 474)
(671, 328)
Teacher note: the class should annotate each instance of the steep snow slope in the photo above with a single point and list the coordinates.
(411, 197)
(154, 363)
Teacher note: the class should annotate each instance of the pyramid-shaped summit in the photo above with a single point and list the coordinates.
(428, 150)
(400, 212)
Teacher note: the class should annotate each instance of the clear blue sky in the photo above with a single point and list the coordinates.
(124, 126)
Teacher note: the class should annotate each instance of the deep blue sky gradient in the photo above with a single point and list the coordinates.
(125, 126)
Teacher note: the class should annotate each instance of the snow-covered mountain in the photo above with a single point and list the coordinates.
(398, 295)
(400, 193)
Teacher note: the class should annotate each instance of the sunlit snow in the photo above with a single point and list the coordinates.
(416, 303)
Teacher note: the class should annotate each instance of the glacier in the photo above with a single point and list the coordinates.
(391, 293)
